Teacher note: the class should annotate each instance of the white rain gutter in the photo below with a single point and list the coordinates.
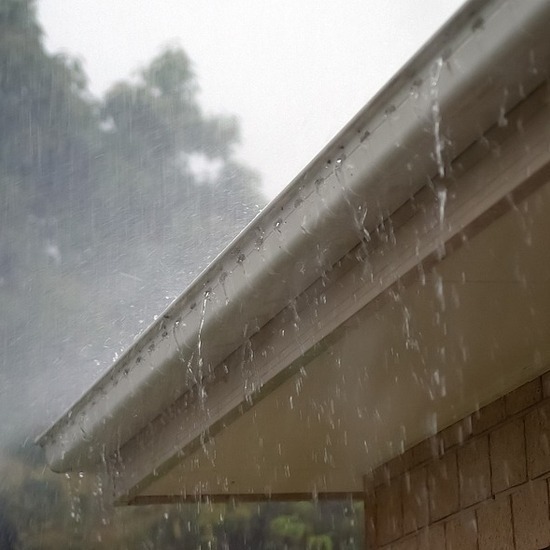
(484, 61)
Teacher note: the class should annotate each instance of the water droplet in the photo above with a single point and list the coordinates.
(442, 201)
(339, 162)
(502, 120)
(414, 92)
(439, 291)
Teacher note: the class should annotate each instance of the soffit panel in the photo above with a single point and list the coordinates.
(471, 329)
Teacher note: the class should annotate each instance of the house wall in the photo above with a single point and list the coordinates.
(480, 484)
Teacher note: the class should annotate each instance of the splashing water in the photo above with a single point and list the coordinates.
(436, 116)
(442, 202)
(200, 373)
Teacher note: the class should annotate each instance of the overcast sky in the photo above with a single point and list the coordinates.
(293, 71)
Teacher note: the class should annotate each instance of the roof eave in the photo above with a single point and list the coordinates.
(372, 167)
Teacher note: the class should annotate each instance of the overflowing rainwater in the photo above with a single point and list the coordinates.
(113, 203)
(436, 116)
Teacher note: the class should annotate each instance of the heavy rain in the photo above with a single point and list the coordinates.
(207, 358)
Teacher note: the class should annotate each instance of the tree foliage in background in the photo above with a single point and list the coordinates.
(105, 217)
(108, 208)
(45, 510)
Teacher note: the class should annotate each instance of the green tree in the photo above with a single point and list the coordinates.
(289, 530)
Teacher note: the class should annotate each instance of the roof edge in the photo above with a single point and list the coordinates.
(371, 162)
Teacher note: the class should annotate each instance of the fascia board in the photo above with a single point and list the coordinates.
(477, 67)
(483, 191)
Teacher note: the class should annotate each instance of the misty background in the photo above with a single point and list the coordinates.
(293, 72)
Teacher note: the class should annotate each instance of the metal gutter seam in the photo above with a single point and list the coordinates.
(374, 165)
